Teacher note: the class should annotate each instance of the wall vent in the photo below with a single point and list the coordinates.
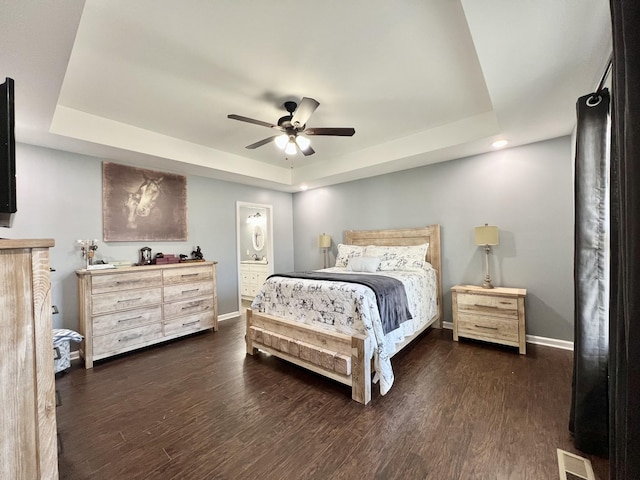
(574, 467)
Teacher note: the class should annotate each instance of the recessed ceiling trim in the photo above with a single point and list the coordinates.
(453, 134)
(84, 126)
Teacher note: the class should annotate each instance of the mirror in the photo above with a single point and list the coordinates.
(258, 237)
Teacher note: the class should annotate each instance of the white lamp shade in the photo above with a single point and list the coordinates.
(324, 241)
(291, 148)
(487, 235)
(303, 142)
(281, 141)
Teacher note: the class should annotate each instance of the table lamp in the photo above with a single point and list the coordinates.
(324, 242)
(487, 236)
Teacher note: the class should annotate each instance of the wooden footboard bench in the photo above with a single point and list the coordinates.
(344, 358)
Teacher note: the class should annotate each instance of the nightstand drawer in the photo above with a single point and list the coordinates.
(492, 305)
(487, 328)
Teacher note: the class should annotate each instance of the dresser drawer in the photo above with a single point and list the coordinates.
(191, 323)
(187, 274)
(490, 304)
(188, 290)
(488, 328)
(112, 322)
(188, 307)
(121, 341)
(125, 300)
(116, 282)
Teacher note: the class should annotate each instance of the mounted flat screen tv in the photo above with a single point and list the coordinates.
(7, 154)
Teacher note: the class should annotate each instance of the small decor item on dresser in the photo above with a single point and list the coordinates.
(197, 254)
(163, 259)
(88, 249)
(145, 256)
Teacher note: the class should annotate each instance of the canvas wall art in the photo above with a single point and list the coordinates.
(143, 205)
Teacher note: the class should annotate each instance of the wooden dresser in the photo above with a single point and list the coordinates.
(491, 314)
(128, 308)
(28, 446)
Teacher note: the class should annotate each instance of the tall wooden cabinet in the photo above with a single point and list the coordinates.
(28, 445)
(129, 308)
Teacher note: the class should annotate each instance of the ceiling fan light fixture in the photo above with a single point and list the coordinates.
(291, 149)
(303, 142)
(281, 141)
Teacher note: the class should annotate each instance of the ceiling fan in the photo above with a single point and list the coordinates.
(292, 126)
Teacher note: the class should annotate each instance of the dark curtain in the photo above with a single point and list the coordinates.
(624, 451)
(589, 404)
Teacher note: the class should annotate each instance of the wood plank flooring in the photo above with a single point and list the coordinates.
(199, 408)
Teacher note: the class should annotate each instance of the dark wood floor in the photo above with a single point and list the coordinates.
(199, 408)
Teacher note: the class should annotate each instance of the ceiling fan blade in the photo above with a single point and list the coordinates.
(307, 151)
(252, 120)
(339, 132)
(261, 142)
(304, 111)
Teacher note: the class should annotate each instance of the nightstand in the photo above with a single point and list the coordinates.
(490, 314)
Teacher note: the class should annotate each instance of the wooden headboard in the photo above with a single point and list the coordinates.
(406, 236)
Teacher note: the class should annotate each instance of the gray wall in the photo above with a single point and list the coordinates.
(60, 197)
(526, 191)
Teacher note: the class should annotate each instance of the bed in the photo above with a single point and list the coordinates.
(349, 352)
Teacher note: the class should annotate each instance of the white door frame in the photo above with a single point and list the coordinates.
(269, 233)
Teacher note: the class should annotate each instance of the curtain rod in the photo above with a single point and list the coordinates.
(605, 73)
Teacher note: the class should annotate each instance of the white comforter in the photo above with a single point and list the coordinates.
(351, 309)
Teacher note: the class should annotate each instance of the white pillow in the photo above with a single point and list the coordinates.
(409, 258)
(363, 264)
(346, 252)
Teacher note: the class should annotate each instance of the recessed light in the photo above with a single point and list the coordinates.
(303, 187)
(500, 143)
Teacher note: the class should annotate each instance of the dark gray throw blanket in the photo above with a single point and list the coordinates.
(390, 293)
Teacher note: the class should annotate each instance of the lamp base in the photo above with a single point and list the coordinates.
(487, 278)
(487, 283)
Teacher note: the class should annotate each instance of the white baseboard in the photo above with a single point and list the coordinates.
(550, 342)
(536, 340)
(227, 316)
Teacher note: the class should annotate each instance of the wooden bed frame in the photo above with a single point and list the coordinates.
(343, 358)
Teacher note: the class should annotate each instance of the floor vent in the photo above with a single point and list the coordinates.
(574, 467)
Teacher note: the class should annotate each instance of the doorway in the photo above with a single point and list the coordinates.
(254, 237)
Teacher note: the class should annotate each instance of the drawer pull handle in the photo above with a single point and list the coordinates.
(192, 305)
(190, 323)
(484, 306)
(129, 300)
(129, 337)
(189, 291)
(488, 328)
(129, 319)
(189, 275)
